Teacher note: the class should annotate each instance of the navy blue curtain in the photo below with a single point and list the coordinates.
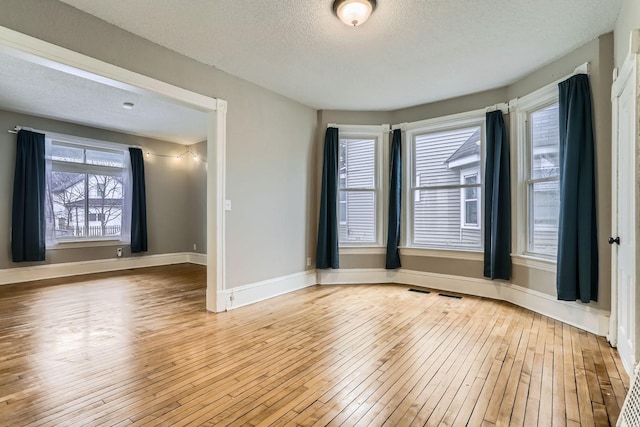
(497, 201)
(577, 270)
(28, 226)
(395, 194)
(327, 250)
(138, 202)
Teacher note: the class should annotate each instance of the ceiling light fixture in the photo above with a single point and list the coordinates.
(127, 105)
(353, 12)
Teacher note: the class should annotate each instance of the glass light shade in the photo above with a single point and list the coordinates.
(353, 12)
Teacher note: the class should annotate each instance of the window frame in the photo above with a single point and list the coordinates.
(440, 124)
(522, 108)
(380, 135)
(88, 169)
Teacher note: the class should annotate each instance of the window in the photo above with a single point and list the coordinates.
(85, 189)
(358, 190)
(470, 208)
(543, 180)
(361, 190)
(446, 182)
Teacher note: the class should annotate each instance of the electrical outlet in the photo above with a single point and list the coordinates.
(232, 297)
(309, 262)
(195, 247)
(119, 252)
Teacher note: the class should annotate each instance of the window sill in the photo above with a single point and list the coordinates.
(545, 264)
(442, 253)
(362, 250)
(87, 244)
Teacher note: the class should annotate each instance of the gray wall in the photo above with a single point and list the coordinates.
(270, 138)
(168, 199)
(198, 202)
(629, 19)
(599, 52)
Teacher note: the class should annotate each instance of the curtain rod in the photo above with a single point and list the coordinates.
(18, 128)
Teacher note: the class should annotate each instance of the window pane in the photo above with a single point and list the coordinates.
(545, 215)
(545, 142)
(357, 163)
(471, 212)
(359, 211)
(68, 200)
(438, 222)
(105, 158)
(440, 157)
(471, 193)
(105, 206)
(67, 154)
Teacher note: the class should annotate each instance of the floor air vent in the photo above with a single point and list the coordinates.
(630, 413)
(450, 296)
(422, 291)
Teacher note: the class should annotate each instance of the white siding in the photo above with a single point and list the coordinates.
(437, 220)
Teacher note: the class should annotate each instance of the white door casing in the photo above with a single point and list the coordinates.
(624, 316)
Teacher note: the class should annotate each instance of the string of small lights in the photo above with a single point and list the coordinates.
(188, 152)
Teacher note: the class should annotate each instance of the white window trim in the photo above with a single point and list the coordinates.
(521, 108)
(380, 133)
(454, 121)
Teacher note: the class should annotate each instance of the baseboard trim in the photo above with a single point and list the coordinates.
(573, 313)
(51, 271)
(233, 298)
(197, 258)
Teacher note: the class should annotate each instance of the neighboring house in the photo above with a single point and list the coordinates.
(467, 201)
(98, 215)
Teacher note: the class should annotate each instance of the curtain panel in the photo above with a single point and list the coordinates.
(395, 199)
(28, 225)
(497, 200)
(138, 202)
(577, 268)
(327, 249)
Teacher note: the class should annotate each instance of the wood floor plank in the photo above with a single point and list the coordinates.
(559, 410)
(137, 348)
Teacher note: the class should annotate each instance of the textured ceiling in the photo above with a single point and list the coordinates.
(33, 89)
(409, 52)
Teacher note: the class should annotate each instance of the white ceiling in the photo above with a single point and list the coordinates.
(33, 89)
(409, 52)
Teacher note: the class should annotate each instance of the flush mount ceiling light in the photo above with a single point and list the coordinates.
(353, 12)
(127, 105)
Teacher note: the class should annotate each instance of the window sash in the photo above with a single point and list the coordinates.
(87, 215)
(347, 224)
(529, 182)
(375, 189)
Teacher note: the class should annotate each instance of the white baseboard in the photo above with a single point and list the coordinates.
(229, 299)
(196, 258)
(573, 313)
(51, 271)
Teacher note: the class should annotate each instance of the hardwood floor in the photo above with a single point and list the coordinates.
(138, 348)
